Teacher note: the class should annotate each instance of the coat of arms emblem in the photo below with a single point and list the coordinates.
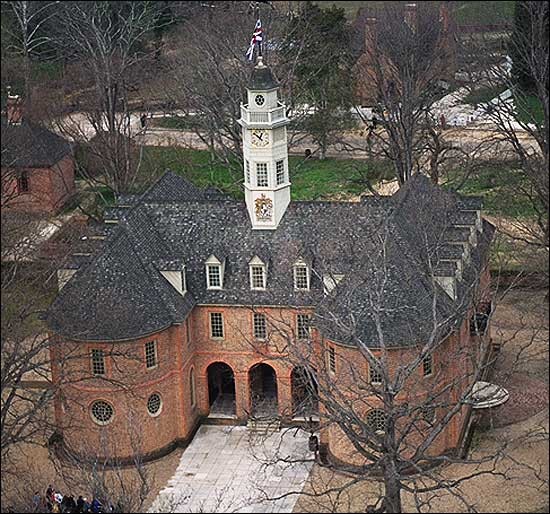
(263, 208)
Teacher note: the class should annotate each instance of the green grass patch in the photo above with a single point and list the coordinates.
(529, 109)
(483, 95)
(312, 179)
(500, 187)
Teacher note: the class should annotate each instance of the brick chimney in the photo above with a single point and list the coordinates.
(370, 33)
(14, 109)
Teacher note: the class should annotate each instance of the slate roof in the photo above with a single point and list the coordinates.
(262, 79)
(122, 295)
(29, 145)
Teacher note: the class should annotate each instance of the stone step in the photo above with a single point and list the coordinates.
(263, 425)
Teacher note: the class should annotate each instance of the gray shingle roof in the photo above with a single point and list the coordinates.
(121, 294)
(262, 79)
(28, 145)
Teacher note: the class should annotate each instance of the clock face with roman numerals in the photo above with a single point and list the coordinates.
(260, 138)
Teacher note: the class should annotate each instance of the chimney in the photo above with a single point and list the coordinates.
(370, 34)
(14, 109)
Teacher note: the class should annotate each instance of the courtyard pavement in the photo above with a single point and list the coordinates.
(230, 469)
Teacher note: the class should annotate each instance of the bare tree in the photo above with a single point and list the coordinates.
(389, 407)
(108, 40)
(28, 35)
(520, 116)
(406, 56)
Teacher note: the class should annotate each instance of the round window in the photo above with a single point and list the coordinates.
(376, 420)
(102, 412)
(154, 404)
(259, 99)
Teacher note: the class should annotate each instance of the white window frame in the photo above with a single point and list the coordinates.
(428, 361)
(375, 376)
(300, 326)
(258, 164)
(211, 320)
(379, 413)
(247, 170)
(280, 173)
(157, 413)
(299, 265)
(94, 360)
(330, 281)
(331, 360)
(147, 352)
(259, 321)
(192, 387)
(255, 264)
(214, 263)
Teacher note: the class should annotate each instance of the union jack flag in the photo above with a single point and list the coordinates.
(256, 38)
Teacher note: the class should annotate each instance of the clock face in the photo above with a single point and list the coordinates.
(260, 138)
(259, 99)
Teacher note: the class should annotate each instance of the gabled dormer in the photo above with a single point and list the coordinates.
(214, 272)
(258, 274)
(174, 273)
(302, 275)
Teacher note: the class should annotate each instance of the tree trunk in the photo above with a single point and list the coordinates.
(392, 486)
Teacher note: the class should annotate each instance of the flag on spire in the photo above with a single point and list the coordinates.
(256, 38)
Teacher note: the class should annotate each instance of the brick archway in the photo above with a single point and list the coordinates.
(262, 381)
(221, 390)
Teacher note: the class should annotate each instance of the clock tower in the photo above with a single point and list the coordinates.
(266, 178)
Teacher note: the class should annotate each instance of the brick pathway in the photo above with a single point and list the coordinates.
(224, 470)
(528, 396)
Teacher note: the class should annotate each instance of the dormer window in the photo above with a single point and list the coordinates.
(301, 276)
(330, 282)
(257, 274)
(214, 273)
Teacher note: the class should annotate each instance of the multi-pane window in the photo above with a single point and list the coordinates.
(151, 354)
(331, 359)
(214, 276)
(302, 322)
(216, 325)
(261, 174)
(376, 420)
(257, 277)
(260, 326)
(98, 362)
(154, 404)
(375, 375)
(102, 412)
(427, 365)
(23, 182)
(428, 414)
(192, 387)
(301, 277)
(247, 171)
(280, 172)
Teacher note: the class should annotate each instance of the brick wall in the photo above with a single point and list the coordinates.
(188, 347)
(49, 188)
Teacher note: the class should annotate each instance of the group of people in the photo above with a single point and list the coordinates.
(54, 501)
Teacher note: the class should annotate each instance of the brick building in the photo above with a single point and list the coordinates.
(437, 28)
(37, 165)
(201, 308)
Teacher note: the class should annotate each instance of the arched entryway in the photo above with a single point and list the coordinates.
(263, 390)
(221, 390)
(305, 392)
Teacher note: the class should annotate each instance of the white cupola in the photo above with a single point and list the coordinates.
(266, 177)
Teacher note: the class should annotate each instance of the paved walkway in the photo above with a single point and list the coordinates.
(229, 469)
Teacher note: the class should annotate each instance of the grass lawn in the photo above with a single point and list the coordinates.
(467, 13)
(483, 95)
(498, 185)
(529, 109)
(312, 179)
